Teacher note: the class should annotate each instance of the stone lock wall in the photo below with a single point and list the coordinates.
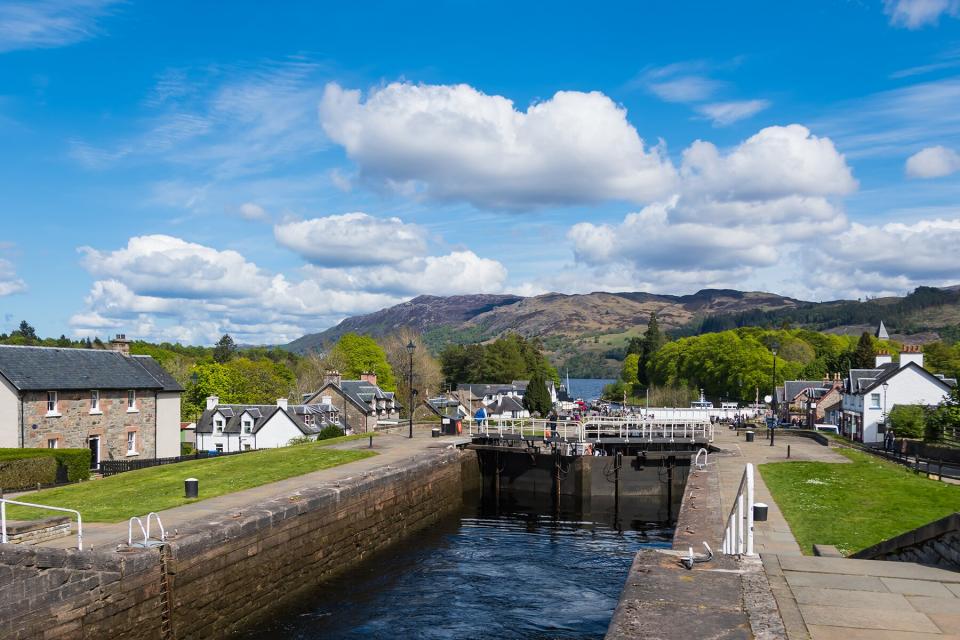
(227, 574)
(75, 423)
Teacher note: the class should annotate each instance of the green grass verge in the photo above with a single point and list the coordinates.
(136, 493)
(856, 505)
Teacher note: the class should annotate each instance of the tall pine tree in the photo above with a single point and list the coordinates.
(537, 398)
(652, 341)
(864, 355)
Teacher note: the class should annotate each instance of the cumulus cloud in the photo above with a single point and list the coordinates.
(933, 162)
(779, 185)
(352, 239)
(914, 14)
(167, 288)
(49, 23)
(454, 142)
(253, 211)
(724, 113)
(9, 282)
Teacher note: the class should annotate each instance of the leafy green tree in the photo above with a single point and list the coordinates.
(628, 373)
(354, 354)
(224, 350)
(864, 356)
(907, 420)
(635, 345)
(510, 357)
(536, 400)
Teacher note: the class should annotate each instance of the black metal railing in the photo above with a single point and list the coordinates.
(113, 467)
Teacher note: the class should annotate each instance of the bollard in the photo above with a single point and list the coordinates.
(788, 451)
(760, 511)
(191, 488)
(370, 446)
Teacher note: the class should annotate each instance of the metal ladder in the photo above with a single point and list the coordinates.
(166, 611)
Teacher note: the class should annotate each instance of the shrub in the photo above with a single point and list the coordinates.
(75, 462)
(25, 473)
(187, 449)
(330, 432)
(907, 420)
(299, 440)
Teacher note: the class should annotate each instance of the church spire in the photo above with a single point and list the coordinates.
(882, 332)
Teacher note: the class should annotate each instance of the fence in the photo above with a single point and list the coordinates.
(738, 536)
(596, 428)
(113, 467)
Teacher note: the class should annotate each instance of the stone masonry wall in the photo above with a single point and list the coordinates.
(76, 424)
(936, 544)
(259, 559)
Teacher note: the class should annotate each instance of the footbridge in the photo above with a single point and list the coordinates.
(597, 430)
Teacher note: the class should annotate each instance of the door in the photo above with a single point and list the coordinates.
(94, 452)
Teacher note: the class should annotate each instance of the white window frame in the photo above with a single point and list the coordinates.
(55, 441)
(95, 401)
(218, 447)
(131, 443)
(132, 406)
(247, 423)
(53, 405)
(874, 400)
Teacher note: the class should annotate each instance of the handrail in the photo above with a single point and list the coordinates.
(130, 531)
(738, 537)
(3, 518)
(640, 427)
(163, 534)
(696, 459)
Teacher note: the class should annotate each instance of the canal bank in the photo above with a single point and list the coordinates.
(225, 570)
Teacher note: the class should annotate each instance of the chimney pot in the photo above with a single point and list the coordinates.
(282, 403)
(212, 401)
(120, 344)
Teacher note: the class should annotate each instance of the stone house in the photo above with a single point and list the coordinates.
(120, 406)
(243, 427)
(809, 402)
(363, 405)
(869, 394)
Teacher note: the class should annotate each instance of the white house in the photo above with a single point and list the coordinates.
(870, 394)
(490, 393)
(242, 427)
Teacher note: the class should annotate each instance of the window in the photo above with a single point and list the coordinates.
(52, 403)
(308, 419)
(874, 400)
(94, 401)
(219, 448)
(131, 442)
(51, 443)
(218, 423)
(246, 446)
(328, 400)
(247, 425)
(131, 400)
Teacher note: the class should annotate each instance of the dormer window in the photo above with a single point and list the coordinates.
(247, 424)
(218, 423)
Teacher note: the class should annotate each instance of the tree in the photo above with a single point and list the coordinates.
(635, 345)
(25, 332)
(224, 350)
(864, 356)
(907, 420)
(536, 400)
(427, 377)
(353, 355)
(652, 341)
(628, 373)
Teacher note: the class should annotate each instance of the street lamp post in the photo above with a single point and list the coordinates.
(410, 349)
(886, 427)
(776, 418)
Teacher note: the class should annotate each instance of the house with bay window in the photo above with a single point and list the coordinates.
(119, 405)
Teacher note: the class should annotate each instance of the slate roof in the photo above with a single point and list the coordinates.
(56, 368)
(507, 404)
(481, 390)
(791, 388)
(361, 392)
(864, 380)
(262, 413)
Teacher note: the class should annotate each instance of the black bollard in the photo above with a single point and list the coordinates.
(788, 451)
(191, 488)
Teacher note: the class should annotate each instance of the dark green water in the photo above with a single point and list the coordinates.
(492, 571)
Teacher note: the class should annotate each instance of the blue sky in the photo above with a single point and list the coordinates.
(179, 170)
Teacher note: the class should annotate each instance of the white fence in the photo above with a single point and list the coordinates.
(738, 537)
(633, 427)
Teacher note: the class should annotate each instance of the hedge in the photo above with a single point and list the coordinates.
(75, 462)
(26, 473)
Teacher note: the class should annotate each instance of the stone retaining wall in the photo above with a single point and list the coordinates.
(936, 545)
(228, 573)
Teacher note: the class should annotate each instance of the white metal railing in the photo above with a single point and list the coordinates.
(3, 518)
(738, 537)
(632, 427)
(696, 460)
(145, 530)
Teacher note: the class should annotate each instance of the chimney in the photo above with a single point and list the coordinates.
(332, 376)
(883, 357)
(911, 353)
(370, 377)
(120, 344)
(282, 403)
(212, 401)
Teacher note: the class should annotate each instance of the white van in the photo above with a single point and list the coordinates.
(829, 428)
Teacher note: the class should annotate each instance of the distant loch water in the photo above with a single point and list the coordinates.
(587, 388)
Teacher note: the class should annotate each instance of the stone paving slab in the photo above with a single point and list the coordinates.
(865, 599)
(818, 632)
(918, 587)
(877, 568)
(867, 618)
(927, 604)
(822, 580)
(948, 622)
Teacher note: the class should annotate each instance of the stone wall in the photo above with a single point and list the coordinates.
(227, 574)
(76, 424)
(936, 545)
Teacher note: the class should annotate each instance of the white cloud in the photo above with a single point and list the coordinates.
(352, 239)
(933, 162)
(41, 24)
(924, 251)
(9, 282)
(914, 14)
(253, 211)
(733, 213)
(166, 288)
(724, 113)
(454, 142)
(685, 88)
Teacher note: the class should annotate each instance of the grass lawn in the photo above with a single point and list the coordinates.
(854, 506)
(136, 493)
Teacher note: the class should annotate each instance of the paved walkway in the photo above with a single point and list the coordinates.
(836, 598)
(391, 449)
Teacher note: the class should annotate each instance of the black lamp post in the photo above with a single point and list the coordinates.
(196, 424)
(776, 418)
(410, 349)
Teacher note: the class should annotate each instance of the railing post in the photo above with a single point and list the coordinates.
(749, 472)
(3, 520)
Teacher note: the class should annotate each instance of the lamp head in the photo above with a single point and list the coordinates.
(411, 347)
